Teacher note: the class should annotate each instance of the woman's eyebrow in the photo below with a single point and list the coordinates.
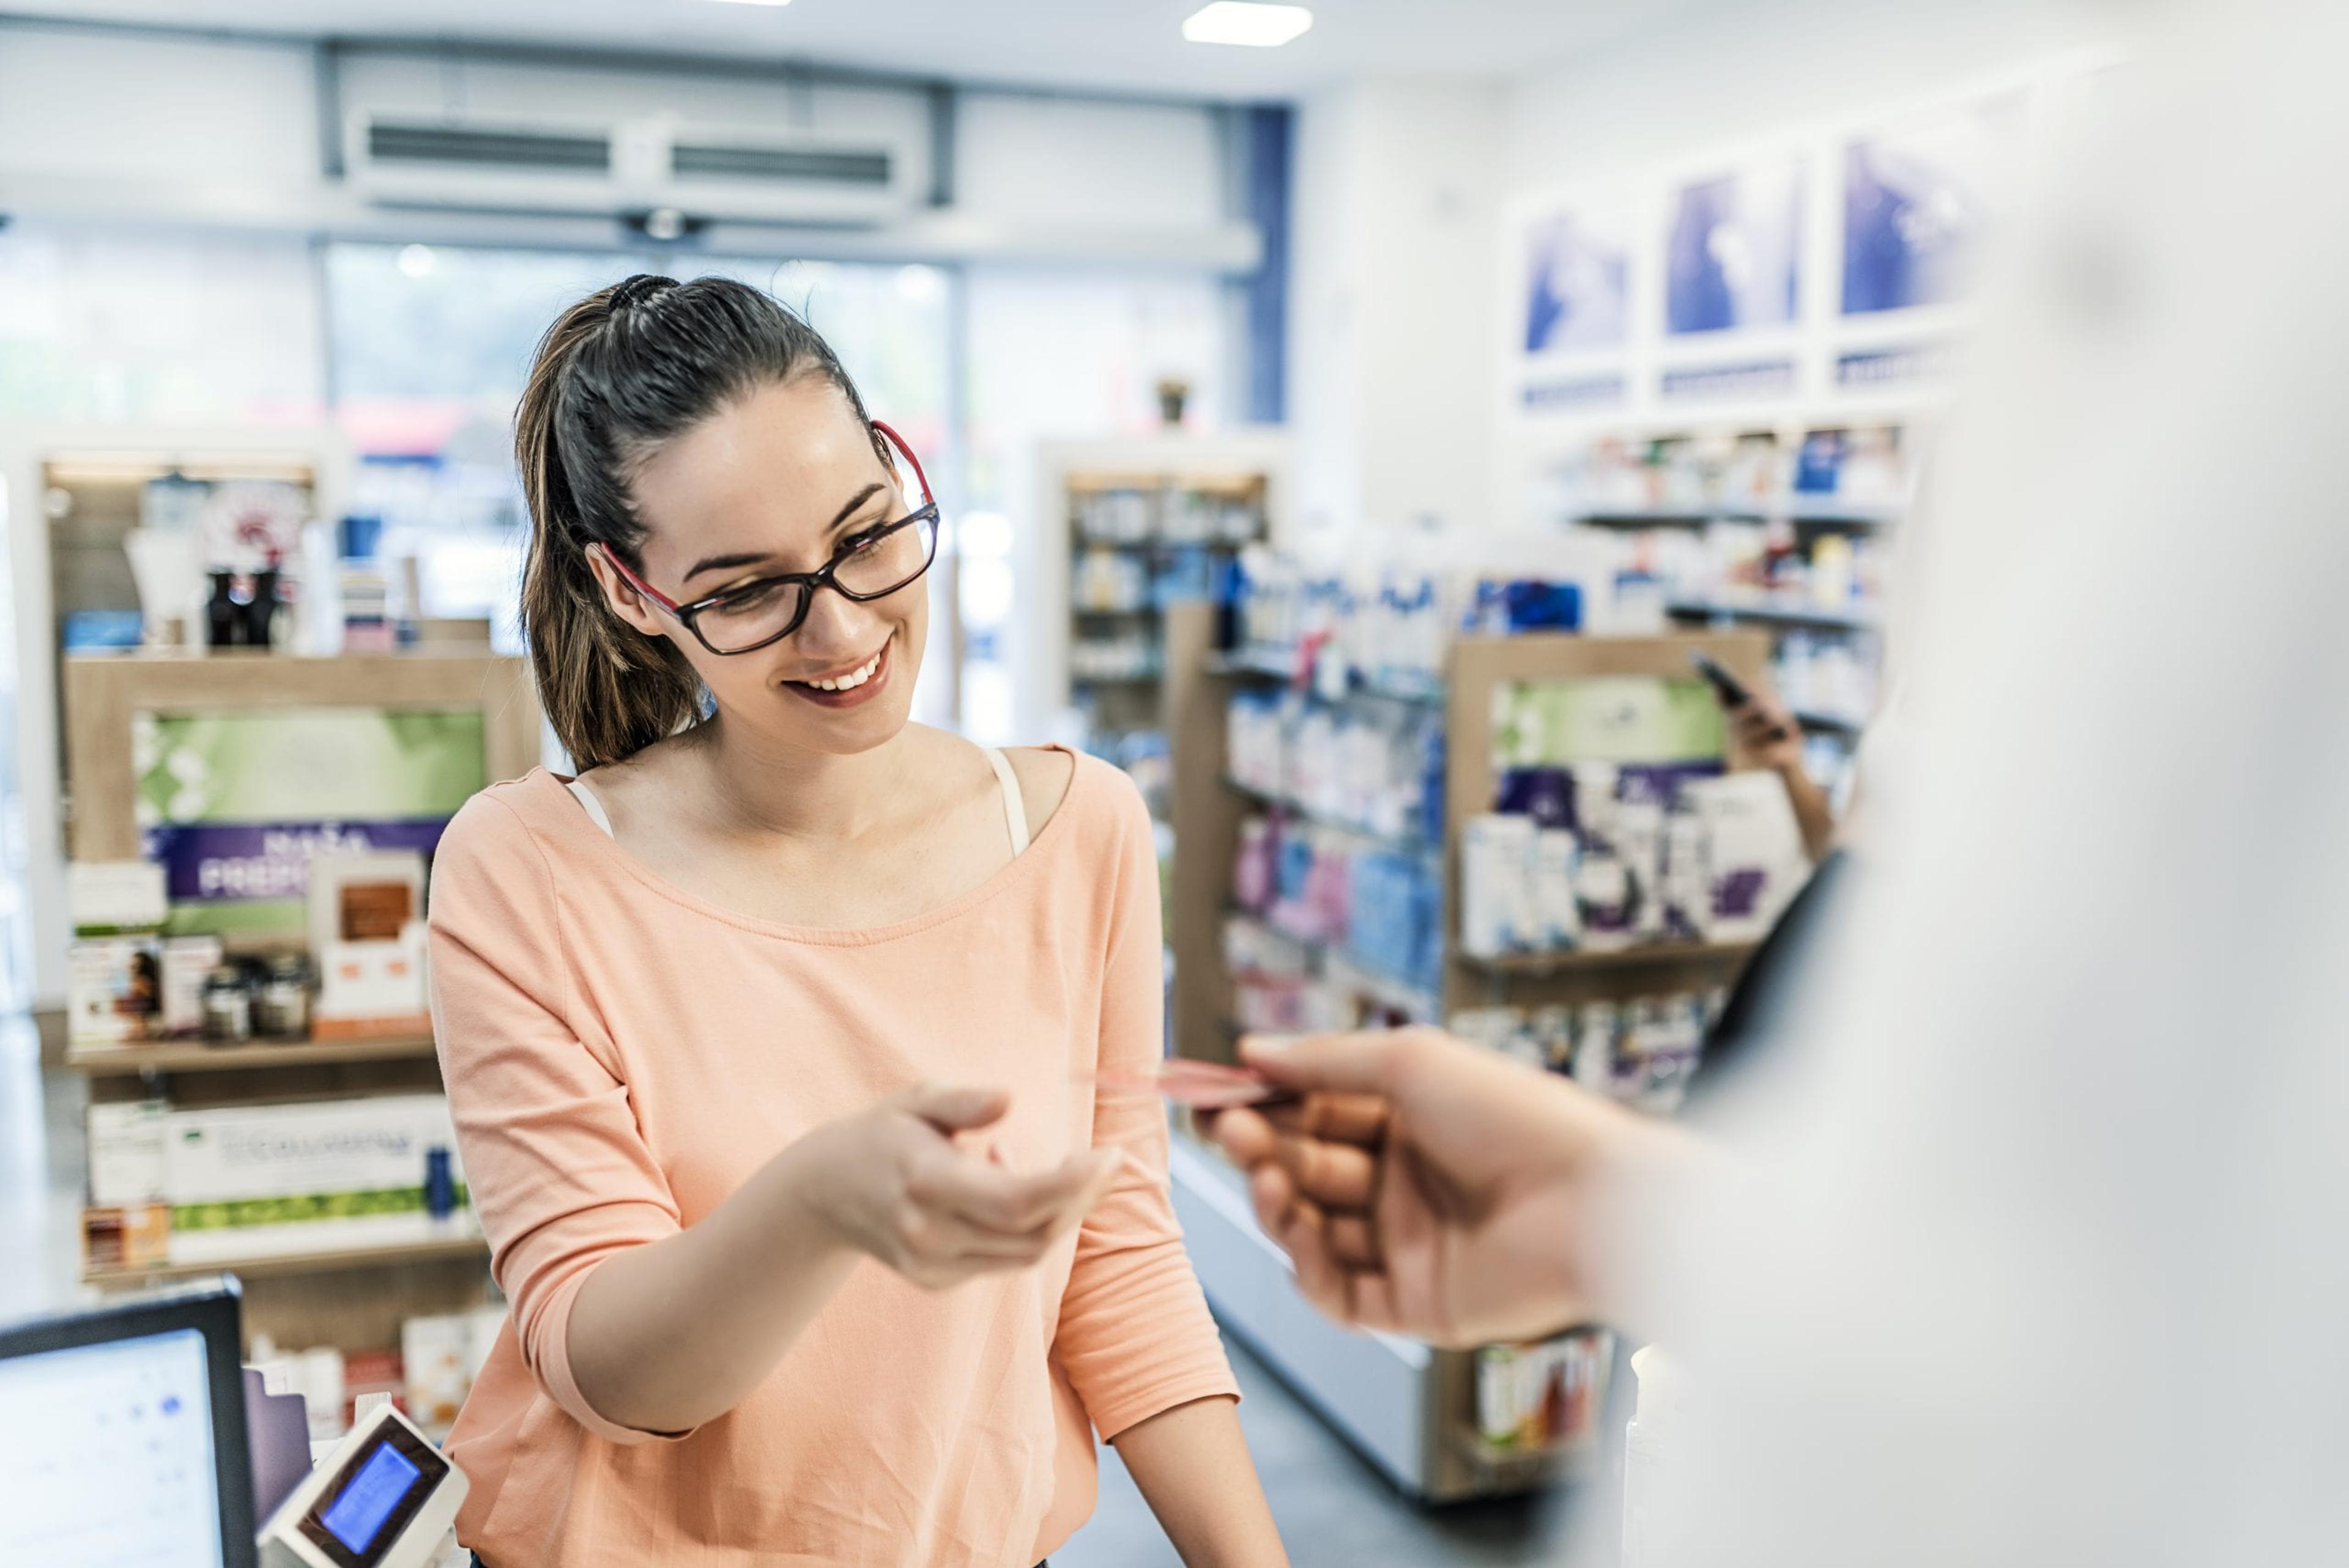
(727, 563)
(854, 501)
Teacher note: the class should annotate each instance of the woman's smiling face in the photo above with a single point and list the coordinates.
(781, 480)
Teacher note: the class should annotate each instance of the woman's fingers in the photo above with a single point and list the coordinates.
(1009, 1204)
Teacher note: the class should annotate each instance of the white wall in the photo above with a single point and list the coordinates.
(1398, 190)
(1728, 71)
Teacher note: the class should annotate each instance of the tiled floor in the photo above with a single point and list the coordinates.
(1334, 1510)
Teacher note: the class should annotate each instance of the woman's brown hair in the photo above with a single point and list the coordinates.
(619, 375)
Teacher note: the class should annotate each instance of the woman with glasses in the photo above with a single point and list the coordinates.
(773, 1038)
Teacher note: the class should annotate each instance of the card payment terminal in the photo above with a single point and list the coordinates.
(384, 1499)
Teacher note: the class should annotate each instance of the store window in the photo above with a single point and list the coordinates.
(114, 329)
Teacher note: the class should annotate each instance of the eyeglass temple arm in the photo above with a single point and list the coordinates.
(639, 583)
(929, 497)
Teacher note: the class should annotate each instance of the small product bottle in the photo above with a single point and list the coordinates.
(439, 1184)
(284, 1006)
(228, 1005)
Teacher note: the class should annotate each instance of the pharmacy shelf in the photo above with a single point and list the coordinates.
(1159, 546)
(195, 1057)
(263, 1265)
(1818, 511)
(1404, 843)
(1137, 677)
(1653, 954)
(1339, 967)
(1773, 612)
(1278, 664)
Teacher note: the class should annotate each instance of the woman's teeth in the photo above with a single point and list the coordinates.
(851, 680)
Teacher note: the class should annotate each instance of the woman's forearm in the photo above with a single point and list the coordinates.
(666, 1337)
(1192, 1467)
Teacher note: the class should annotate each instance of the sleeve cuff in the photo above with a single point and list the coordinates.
(1128, 1410)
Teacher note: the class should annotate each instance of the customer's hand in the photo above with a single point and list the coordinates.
(894, 1183)
(1429, 1187)
(1763, 733)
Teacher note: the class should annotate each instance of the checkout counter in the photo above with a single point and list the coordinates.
(131, 1435)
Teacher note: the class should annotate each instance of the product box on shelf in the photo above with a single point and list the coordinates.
(237, 1181)
(114, 970)
(367, 935)
(1544, 1398)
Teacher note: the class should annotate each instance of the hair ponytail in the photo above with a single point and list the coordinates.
(619, 374)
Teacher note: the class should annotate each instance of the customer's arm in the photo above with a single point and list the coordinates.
(1764, 734)
(1134, 1337)
(635, 1324)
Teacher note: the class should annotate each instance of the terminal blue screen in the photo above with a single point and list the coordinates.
(356, 1518)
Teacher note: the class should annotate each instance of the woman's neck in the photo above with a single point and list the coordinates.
(759, 788)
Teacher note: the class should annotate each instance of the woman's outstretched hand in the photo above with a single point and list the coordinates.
(1428, 1187)
(897, 1184)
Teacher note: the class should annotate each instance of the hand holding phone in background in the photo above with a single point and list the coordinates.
(1762, 733)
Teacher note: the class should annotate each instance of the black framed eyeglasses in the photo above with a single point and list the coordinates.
(873, 564)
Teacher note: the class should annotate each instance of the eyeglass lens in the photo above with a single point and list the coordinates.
(762, 611)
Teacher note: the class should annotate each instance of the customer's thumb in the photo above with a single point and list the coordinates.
(1360, 1063)
(950, 1109)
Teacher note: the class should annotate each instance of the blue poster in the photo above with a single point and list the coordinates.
(1914, 213)
(1731, 259)
(1577, 274)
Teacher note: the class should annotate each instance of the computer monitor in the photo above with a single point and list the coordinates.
(122, 1436)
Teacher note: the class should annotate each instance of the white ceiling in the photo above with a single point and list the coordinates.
(1121, 45)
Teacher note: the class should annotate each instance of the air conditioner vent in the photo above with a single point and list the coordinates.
(862, 168)
(476, 147)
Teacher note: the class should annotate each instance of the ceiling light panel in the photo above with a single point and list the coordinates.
(1240, 22)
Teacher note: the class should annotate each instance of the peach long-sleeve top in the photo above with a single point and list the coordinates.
(621, 1056)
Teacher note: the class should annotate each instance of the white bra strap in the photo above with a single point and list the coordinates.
(1015, 807)
(594, 807)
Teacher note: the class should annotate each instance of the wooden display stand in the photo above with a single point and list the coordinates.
(351, 1299)
(1409, 1409)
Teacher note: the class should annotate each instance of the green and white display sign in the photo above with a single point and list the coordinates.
(234, 805)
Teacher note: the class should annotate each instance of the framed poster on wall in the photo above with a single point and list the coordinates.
(1917, 204)
(1576, 293)
(1733, 252)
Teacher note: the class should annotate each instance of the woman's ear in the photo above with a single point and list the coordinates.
(621, 594)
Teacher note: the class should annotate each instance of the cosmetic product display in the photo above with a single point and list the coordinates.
(1376, 906)
(1385, 627)
(1640, 1050)
(1376, 766)
(1616, 827)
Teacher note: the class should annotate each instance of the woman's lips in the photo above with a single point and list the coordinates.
(850, 696)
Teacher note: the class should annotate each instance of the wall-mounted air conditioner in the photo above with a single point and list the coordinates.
(625, 169)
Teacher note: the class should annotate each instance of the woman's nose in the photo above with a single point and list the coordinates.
(836, 625)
